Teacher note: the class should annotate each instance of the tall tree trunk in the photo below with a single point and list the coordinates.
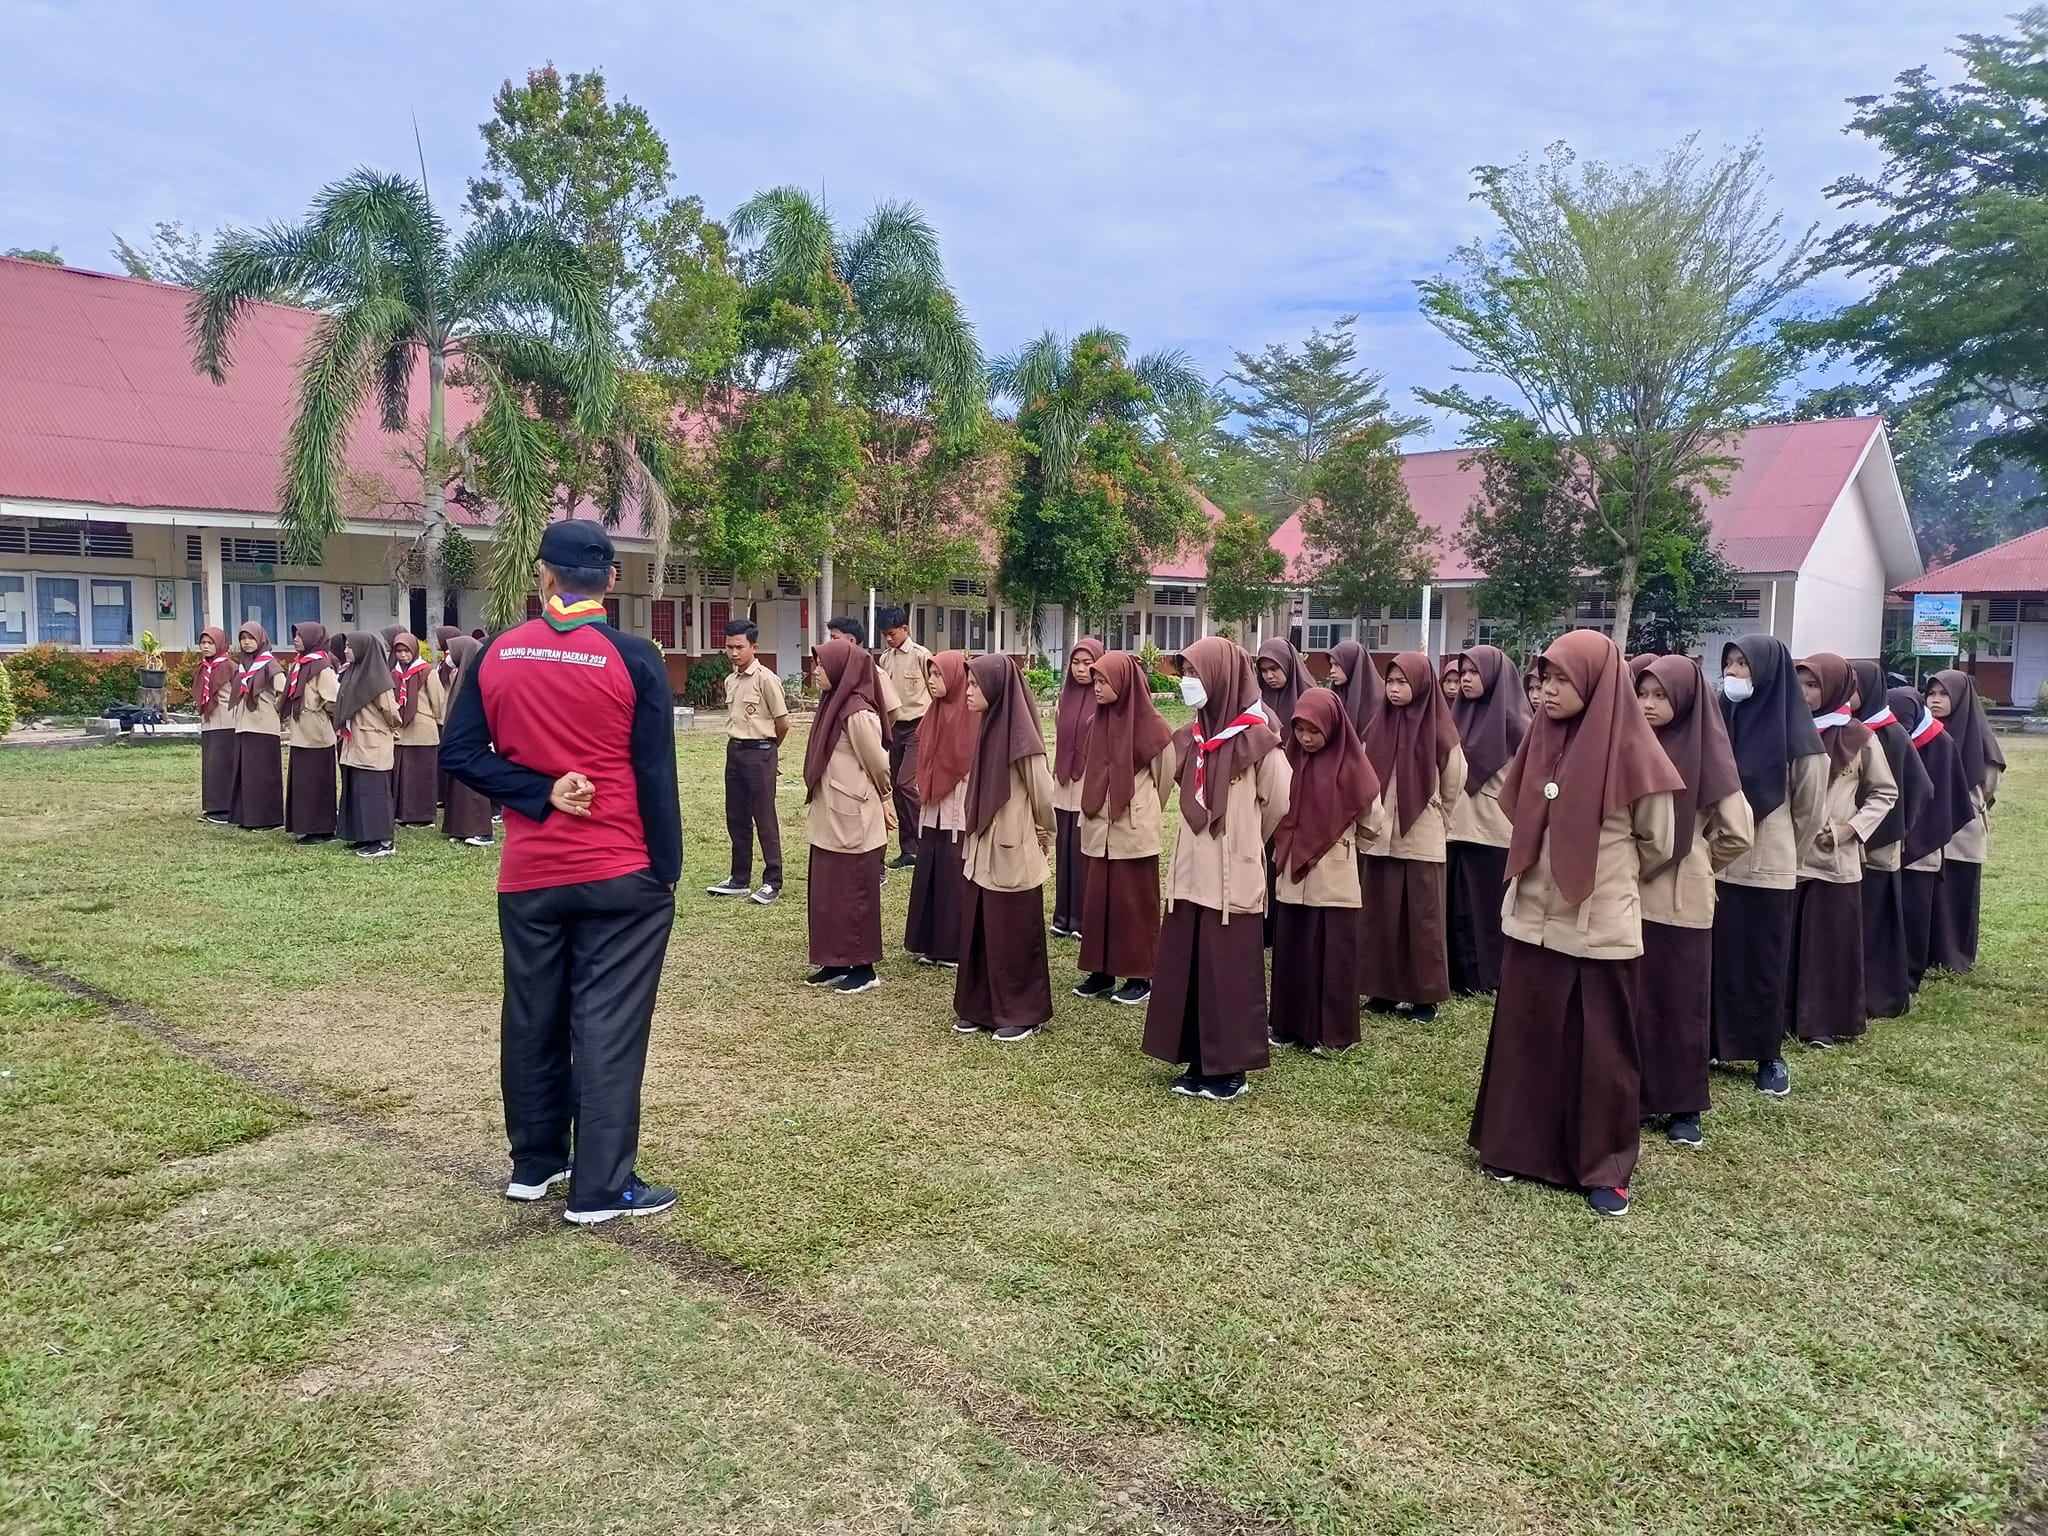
(824, 599)
(1625, 584)
(435, 500)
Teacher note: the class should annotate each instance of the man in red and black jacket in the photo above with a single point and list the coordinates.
(570, 725)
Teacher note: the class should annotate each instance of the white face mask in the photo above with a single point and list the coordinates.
(1736, 689)
(1192, 693)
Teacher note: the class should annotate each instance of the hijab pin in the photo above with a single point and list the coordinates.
(1550, 790)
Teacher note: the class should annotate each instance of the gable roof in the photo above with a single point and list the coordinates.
(2017, 565)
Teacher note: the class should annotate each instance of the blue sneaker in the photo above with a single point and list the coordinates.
(1772, 1078)
(638, 1198)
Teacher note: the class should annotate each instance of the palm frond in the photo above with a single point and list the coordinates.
(244, 268)
(385, 225)
(394, 384)
(1115, 342)
(897, 244)
(516, 473)
(1172, 377)
(1034, 369)
(794, 235)
(513, 267)
(334, 376)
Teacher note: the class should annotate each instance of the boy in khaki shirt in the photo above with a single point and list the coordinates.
(902, 663)
(756, 720)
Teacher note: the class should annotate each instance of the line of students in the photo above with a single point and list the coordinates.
(359, 717)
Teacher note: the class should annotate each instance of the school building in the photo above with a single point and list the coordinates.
(2005, 601)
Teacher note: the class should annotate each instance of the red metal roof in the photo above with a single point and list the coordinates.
(2017, 565)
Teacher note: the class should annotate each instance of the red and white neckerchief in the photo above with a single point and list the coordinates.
(1881, 719)
(1927, 729)
(1828, 722)
(1204, 745)
(299, 665)
(404, 678)
(243, 677)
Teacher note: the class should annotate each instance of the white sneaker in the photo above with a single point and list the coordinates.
(765, 897)
(728, 887)
(518, 1191)
(480, 842)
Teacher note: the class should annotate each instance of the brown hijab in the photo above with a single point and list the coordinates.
(367, 679)
(1333, 786)
(1771, 728)
(1074, 716)
(207, 680)
(406, 672)
(1009, 733)
(1696, 741)
(253, 674)
(1602, 759)
(1844, 740)
(1894, 739)
(1971, 728)
(1410, 743)
(1949, 807)
(462, 654)
(1125, 738)
(1362, 688)
(945, 735)
(1282, 654)
(855, 686)
(444, 635)
(1492, 725)
(309, 664)
(1207, 770)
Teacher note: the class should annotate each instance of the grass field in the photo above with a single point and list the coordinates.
(923, 1283)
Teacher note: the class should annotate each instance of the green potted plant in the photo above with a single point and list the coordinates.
(154, 668)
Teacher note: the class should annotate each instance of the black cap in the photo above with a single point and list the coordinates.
(576, 546)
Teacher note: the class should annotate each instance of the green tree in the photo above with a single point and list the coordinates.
(1216, 459)
(1687, 592)
(1523, 531)
(1363, 547)
(48, 258)
(1245, 570)
(173, 254)
(1631, 310)
(395, 291)
(1040, 377)
(1300, 402)
(925, 513)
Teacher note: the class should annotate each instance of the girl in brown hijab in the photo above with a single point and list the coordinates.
(1887, 979)
(366, 720)
(1952, 935)
(1403, 954)
(422, 706)
(444, 673)
(1002, 987)
(465, 814)
(1712, 826)
(847, 817)
(310, 689)
(1208, 1007)
(1590, 794)
(1072, 719)
(213, 695)
(945, 751)
(1950, 808)
(259, 764)
(1491, 715)
(1124, 783)
(1282, 679)
(1357, 683)
(1333, 804)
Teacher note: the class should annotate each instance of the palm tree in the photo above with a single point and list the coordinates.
(1040, 368)
(511, 300)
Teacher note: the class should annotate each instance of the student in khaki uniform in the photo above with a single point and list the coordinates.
(259, 766)
(213, 694)
(310, 689)
(1711, 828)
(1208, 1007)
(756, 721)
(1002, 987)
(422, 706)
(902, 662)
(1492, 715)
(1357, 683)
(1952, 936)
(945, 753)
(1073, 717)
(1887, 981)
(1125, 777)
(1784, 778)
(1404, 955)
(847, 815)
(1951, 806)
(1333, 803)
(366, 718)
(1590, 794)
(465, 813)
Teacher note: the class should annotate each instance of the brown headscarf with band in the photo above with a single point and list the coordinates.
(945, 735)
(1282, 654)
(253, 673)
(406, 675)
(1333, 786)
(462, 655)
(1410, 743)
(1233, 707)
(206, 681)
(855, 687)
(1971, 728)
(1362, 688)
(1492, 725)
(1124, 739)
(1571, 775)
(309, 664)
(367, 679)
(1009, 733)
(1844, 743)
(1895, 740)
(1073, 715)
(1638, 665)
(444, 635)
(1696, 741)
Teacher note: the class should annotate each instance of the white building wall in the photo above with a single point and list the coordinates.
(1841, 586)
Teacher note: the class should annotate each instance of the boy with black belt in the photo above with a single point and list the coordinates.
(756, 721)
(903, 662)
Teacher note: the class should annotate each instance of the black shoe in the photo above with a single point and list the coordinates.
(825, 976)
(962, 1027)
(311, 838)
(479, 841)
(1222, 1090)
(1097, 985)
(216, 821)
(1282, 1040)
(1380, 1005)
(529, 1187)
(1061, 931)
(1134, 993)
(766, 896)
(861, 978)
(1010, 1034)
(376, 850)
(904, 861)
(728, 887)
(1822, 1043)
(1772, 1078)
(1423, 1013)
(1685, 1132)
(1608, 1202)
(639, 1198)
(1498, 1175)
(1189, 1083)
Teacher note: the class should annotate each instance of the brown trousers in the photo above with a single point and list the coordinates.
(903, 776)
(750, 807)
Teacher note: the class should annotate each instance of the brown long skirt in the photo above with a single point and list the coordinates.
(1674, 1018)
(365, 805)
(414, 785)
(465, 813)
(309, 794)
(1120, 916)
(1752, 971)
(938, 895)
(1558, 1099)
(259, 781)
(1002, 981)
(845, 899)
(1066, 870)
(1477, 877)
(1916, 900)
(1315, 957)
(1952, 926)
(218, 758)
(1887, 988)
(1827, 961)
(1402, 953)
(1208, 1007)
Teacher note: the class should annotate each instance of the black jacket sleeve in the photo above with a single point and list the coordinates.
(654, 756)
(466, 753)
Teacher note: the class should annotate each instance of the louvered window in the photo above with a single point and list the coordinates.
(13, 539)
(250, 551)
(717, 575)
(1174, 597)
(56, 540)
(965, 588)
(109, 541)
(2002, 610)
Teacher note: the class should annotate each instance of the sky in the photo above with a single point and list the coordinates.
(1199, 176)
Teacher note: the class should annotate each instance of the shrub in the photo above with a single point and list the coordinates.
(6, 701)
(51, 680)
(706, 685)
(1041, 680)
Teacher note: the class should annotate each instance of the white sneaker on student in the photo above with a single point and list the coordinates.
(728, 887)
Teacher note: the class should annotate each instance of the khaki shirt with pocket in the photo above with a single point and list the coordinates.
(424, 729)
(949, 815)
(846, 815)
(905, 671)
(372, 739)
(753, 703)
(313, 726)
(1007, 856)
(1608, 924)
(1227, 873)
(1140, 833)
(1425, 840)
(1682, 896)
(224, 711)
(1786, 836)
(1479, 818)
(1862, 795)
(1332, 881)
(1972, 842)
(259, 716)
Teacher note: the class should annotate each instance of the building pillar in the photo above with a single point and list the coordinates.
(212, 584)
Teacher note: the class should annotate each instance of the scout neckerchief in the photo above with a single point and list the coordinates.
(1204, 745)
(299, 665)
(1881, 719)
(1927, 729)
(205, 690)
(258, 666)
(1834, 718)
(567, 616)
